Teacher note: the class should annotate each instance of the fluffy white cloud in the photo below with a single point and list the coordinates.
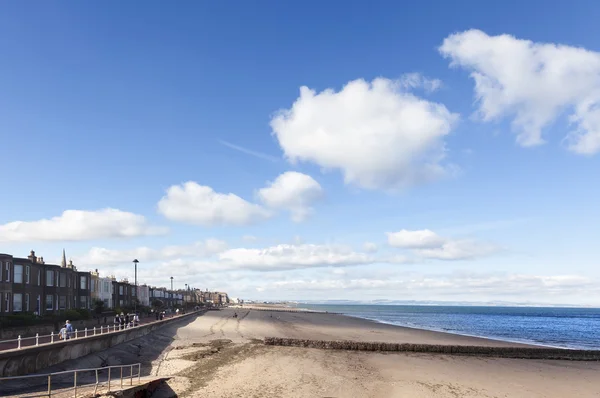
(292, 191)
(532, 82)
(418, 239)
(378, 135)
(427, 244)
(198, 204)
(76, 225)
(98, 256)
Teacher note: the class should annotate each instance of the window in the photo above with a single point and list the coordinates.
(63, 279)
(39, 277)
(106, 304)
(7, 302)
(121, 290)
(82, 282)
(83, 301)
(27, 272)
(62, 302)
(121, 303)
(56, 299)
(68, 281)
(94, 285)
(7, 271)
(106, 287)
(18, 274)
(133, 292)
(49, 281)
(38, 305)
(49, 302)
(17, 302)
(27, 302)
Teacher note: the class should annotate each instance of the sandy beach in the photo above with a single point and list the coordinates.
(219, 355)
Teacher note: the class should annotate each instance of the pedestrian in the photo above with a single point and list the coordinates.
(136, 320)
(122, 321)
(69, 329)
(157, 315)
(62, 334)
(127, 319)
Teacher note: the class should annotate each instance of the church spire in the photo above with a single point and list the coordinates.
(63, 263)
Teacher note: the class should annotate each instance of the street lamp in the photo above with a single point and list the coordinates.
(171, 292)
(135, 263)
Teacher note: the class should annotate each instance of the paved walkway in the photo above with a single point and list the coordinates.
(30, 341)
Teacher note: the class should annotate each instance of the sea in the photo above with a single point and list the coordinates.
(575, 328)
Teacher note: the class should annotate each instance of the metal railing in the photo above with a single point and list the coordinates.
(22, 342)
(104, 377)
(37, 340)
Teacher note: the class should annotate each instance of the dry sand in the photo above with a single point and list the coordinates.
(218, 355)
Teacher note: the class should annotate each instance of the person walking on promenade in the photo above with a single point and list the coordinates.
(122, 320)
(117, 320)
(136, 320)
(127, 319)
(62, 334)
(69, 330)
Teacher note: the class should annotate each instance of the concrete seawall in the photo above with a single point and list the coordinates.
(33, 359)
(494, 352)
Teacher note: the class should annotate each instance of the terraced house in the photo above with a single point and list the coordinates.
(31, 285)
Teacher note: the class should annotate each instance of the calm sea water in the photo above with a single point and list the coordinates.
(556, 327)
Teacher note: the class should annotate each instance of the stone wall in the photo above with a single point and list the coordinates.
(33, 359)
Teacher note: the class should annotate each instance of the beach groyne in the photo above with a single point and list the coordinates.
(478, 351)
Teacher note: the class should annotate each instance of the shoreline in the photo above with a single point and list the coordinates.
(456, 333)
(526, 342)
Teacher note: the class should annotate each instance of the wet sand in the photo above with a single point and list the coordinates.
(219, 355)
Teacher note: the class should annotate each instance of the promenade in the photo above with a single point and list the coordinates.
(24, 342)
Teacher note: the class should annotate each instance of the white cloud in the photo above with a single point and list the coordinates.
(77, 225)
(249, 238)
(458, 250)
(376, 134)
(287, 256)
(198, 204)
(98, 256)
(416, 80)
(370, 247)
(427, 244)
(533, 83)
(292, 191)
(419, 239)
(475, 286)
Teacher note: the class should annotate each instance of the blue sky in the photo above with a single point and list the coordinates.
(119, 104)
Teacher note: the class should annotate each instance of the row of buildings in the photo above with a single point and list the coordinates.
(30, 285)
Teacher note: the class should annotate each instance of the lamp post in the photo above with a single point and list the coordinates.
(135, 263)
(171, 292)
